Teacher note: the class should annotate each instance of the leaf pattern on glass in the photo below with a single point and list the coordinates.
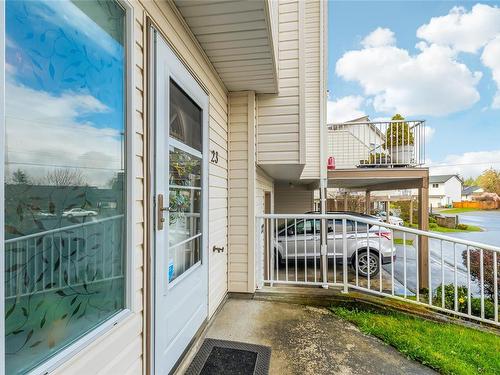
(62, 265)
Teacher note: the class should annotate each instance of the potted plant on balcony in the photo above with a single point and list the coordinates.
(399, 141)
(375, 160)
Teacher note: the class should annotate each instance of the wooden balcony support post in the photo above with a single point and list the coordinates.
(423, 242)
(367, 202)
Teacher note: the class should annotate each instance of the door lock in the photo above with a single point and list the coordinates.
(160, 210)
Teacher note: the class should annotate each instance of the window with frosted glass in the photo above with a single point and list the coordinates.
(65, 174)
(185, 187)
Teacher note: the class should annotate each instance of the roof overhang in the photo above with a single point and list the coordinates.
(376, 179)
(239, 39)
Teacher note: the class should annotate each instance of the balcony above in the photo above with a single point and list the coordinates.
(368, 144)
(239, 39)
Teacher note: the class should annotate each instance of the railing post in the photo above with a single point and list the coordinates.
(344, 255)
(272, 252)
(324, 236)
(259, 256)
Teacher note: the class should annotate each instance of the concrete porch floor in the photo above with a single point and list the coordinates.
(305, 340)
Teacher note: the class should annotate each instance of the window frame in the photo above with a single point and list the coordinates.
(2, 179)
(115, 322)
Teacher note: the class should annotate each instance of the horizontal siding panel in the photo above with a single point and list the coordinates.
(272, 124)
(222, 18)
(278, 110)
(271, 138)
(227, 28)
(257, 33)
(190, 9)
(277, 148)
(248, 63)
(287, 17)
(289, 157)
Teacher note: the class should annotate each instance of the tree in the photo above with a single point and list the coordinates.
(19, 177)
(65, 177)
(470, 181)
(398, 133)
(490, 181)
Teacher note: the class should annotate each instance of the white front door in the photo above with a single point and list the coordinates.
(180, 168)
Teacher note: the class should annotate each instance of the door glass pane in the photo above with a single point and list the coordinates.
(185, 168)
(65, 176)
(185, 118)
(184, 215)
(185, 189)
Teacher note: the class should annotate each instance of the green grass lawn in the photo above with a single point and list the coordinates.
(433, 227)
(470, 228)
(445, 347)
(399, 241)
(457, 210)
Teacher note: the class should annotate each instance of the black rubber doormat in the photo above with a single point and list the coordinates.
(220, 357)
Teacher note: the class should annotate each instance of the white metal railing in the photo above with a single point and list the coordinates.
(355, 252)
(377, 144)
(65, 257)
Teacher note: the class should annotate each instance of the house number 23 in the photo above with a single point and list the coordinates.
(215, 157)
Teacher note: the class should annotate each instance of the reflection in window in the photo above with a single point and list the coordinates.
(185, 173)
(65, 177)
(185, 118)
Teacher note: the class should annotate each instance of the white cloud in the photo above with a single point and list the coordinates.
(345, 109)
(51, 134)
(491, 59)
(469, 164)
(429, 132)
(432, 82)
(379, 37)
(461, 30)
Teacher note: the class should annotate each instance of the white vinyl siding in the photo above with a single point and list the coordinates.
(240, 193)
(295, 199)
(278, 129)
(122, 349)
(312, 100)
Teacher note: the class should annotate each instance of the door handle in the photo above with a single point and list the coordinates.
(160, 210)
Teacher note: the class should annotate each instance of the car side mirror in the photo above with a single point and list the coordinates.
(290, 232)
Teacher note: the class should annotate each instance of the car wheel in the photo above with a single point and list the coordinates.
(365, 264)
(69, 216)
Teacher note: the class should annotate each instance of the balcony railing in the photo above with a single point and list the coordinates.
(389, 144)
(67, 257)
(381, 259)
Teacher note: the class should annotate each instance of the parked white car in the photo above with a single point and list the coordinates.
(78, 212)
(295, 240)
(394, 220)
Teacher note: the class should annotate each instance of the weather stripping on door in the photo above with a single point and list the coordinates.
(160, 210)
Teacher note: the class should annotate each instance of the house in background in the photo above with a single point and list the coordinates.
(444, 190)
(354, 141)
(469, 192)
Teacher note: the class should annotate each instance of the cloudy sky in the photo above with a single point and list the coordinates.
(432, 60)
(64, 102)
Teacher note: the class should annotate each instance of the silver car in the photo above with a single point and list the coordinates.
(293, 240)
